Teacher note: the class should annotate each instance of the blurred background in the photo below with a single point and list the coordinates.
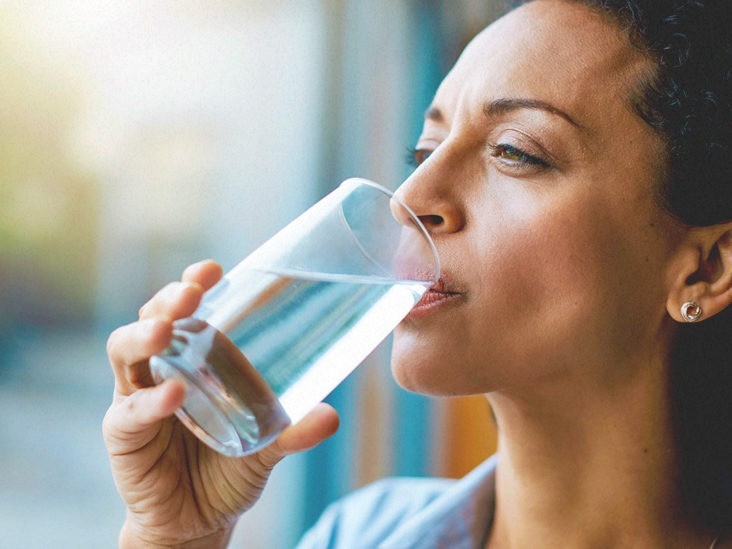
(139, 136)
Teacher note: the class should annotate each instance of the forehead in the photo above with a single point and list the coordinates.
(557, 51)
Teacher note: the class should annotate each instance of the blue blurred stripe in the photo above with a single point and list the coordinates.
(331, 467)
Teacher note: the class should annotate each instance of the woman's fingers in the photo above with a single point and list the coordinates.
(130, 347)
(131, 422)
(180, 299)
(206, 273)
(176, 300)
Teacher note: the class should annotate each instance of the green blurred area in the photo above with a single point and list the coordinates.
(48, 208)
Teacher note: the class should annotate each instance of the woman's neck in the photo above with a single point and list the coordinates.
(584, 465)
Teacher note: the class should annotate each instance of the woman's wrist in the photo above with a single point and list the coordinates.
(131, 537)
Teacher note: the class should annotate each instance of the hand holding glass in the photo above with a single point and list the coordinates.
(283, 328)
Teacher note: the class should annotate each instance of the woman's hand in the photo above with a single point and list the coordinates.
(178, 491)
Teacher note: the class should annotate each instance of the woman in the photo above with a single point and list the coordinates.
(574, 176)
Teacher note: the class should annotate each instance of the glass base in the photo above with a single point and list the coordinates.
(212, 426)
(228, 405)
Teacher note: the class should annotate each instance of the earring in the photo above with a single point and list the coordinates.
(691, 311)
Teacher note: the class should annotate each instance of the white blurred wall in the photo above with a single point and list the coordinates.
(202, 127)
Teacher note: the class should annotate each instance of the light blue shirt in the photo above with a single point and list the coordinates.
(403, 513)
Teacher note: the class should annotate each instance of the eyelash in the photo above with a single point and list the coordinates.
(524, 158)
(415, 156)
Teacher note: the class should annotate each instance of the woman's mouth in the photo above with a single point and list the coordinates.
(436, 296)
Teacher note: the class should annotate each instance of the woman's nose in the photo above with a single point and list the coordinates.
(426, 193)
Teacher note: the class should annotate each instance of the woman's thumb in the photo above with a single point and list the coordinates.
(319, 424)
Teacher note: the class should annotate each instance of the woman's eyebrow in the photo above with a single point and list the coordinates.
(501, 106)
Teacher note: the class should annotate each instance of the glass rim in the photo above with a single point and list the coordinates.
(353, 181)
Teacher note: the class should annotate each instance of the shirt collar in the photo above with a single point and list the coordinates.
(458, 518)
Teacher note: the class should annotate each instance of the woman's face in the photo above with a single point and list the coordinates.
(538, 184)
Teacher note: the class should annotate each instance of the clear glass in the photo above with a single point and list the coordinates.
(283, 328)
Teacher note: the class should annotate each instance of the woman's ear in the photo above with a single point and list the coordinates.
(702, 272)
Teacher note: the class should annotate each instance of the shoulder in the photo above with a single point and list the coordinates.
(368, 516)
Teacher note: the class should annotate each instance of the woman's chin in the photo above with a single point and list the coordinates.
(413, 380)
(419, 371)
(427, 380)
(407, 365)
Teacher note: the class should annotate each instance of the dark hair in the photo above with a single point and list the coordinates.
(687, 101)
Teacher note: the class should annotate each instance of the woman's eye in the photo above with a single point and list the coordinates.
(515, 156)
(415, 157)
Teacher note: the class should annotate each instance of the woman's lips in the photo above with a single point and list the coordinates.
(439, 294)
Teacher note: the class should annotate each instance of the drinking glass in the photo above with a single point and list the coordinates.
(284, 327)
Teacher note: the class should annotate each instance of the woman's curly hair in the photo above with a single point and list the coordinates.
(686, 100)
